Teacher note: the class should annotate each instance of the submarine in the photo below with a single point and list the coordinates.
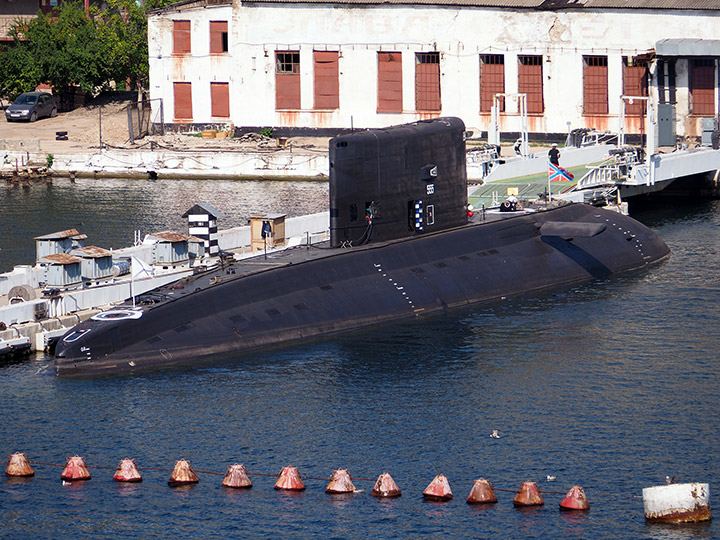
(402, 246)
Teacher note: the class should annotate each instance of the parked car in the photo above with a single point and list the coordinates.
(31, 106)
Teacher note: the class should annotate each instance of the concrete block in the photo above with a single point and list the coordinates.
(28, 329)
(51, 324)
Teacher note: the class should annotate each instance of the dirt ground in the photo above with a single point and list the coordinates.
(106, 118)
(109, 114)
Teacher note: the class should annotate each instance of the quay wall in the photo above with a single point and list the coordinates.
(225, 164)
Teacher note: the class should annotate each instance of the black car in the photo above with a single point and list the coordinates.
(31, 106)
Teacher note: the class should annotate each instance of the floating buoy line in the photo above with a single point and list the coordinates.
(76, 469)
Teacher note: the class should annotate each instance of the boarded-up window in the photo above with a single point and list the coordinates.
(287, 80)
(181, 37)
(427, 81)
(389, 82)
(595, 84)
(492, 80)
(183, 100)
(220, 99)
(635, 84)
(218, 37)
(327, 94)
(530, 82)
(703, 87)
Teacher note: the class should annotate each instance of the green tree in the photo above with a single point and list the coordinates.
(71, 48)
(18, 72)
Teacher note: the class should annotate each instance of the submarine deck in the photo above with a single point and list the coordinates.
(262, 262)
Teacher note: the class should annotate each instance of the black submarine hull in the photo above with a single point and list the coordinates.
(348, 289)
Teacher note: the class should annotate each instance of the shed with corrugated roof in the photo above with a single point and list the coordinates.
(63, 270)
(96, 262)
(58, 242)
(169, 248)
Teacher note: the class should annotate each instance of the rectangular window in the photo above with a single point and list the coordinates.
(327, 90)
(220, 99)
(287, 80)
(595, 85)
(635, 84)
(530, 82)
(389, 82)
(181, 37)
(492, 80)
(702, 79)
(427, 81)
(218, 37)
(183, 100)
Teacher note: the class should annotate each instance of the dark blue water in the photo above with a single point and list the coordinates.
(611, 385)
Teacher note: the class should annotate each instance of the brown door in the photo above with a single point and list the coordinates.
(327, 95)
(389, 82)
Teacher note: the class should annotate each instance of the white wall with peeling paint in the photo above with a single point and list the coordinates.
(460, 34)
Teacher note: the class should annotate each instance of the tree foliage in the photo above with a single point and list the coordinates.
(70, 48)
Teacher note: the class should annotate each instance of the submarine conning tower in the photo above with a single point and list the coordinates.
(397, 182)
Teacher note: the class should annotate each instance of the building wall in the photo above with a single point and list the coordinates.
(460, 35)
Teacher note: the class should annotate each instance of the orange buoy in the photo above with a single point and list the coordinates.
(529, 495)
(289, 480)
(75, 469)
(575, 499)
(237, 477)
(18, 465)
(183, 474)
(439, 489)
(482, 493)
(127, 471)
(386, 487)
(340, 482)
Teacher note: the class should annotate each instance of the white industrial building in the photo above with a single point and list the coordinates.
(365, 63)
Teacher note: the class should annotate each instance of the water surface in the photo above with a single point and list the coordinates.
(611, 385)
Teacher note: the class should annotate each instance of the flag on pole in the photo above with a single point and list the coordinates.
(141, 269)
(558, 174)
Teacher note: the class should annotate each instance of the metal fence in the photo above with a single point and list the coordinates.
(140, 118)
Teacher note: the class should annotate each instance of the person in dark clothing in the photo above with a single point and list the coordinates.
(554, 155)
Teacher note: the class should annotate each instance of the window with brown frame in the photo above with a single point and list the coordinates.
(492, 80)
(287, 80)
(702, 79)
(635, 84)
(389, 82)
(220, 99)
(595, 85)
(427, 81)
(530, 82)
(218, 37)
(182, 94)
(327, 88)
(181, 37)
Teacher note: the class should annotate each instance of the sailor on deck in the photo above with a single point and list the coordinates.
(511, 204)
(554, 155)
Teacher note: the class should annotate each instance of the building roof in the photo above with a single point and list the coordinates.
(203, 208)
(544, 5)
(60, 258)
(687, 47)
(69, 233)
(91, 252)
(169, 236)
(549, 5)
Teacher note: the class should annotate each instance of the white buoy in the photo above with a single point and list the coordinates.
(677, 503)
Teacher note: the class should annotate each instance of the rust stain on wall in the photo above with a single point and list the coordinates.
(600, 123)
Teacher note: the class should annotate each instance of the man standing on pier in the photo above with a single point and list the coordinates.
(554, 155)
